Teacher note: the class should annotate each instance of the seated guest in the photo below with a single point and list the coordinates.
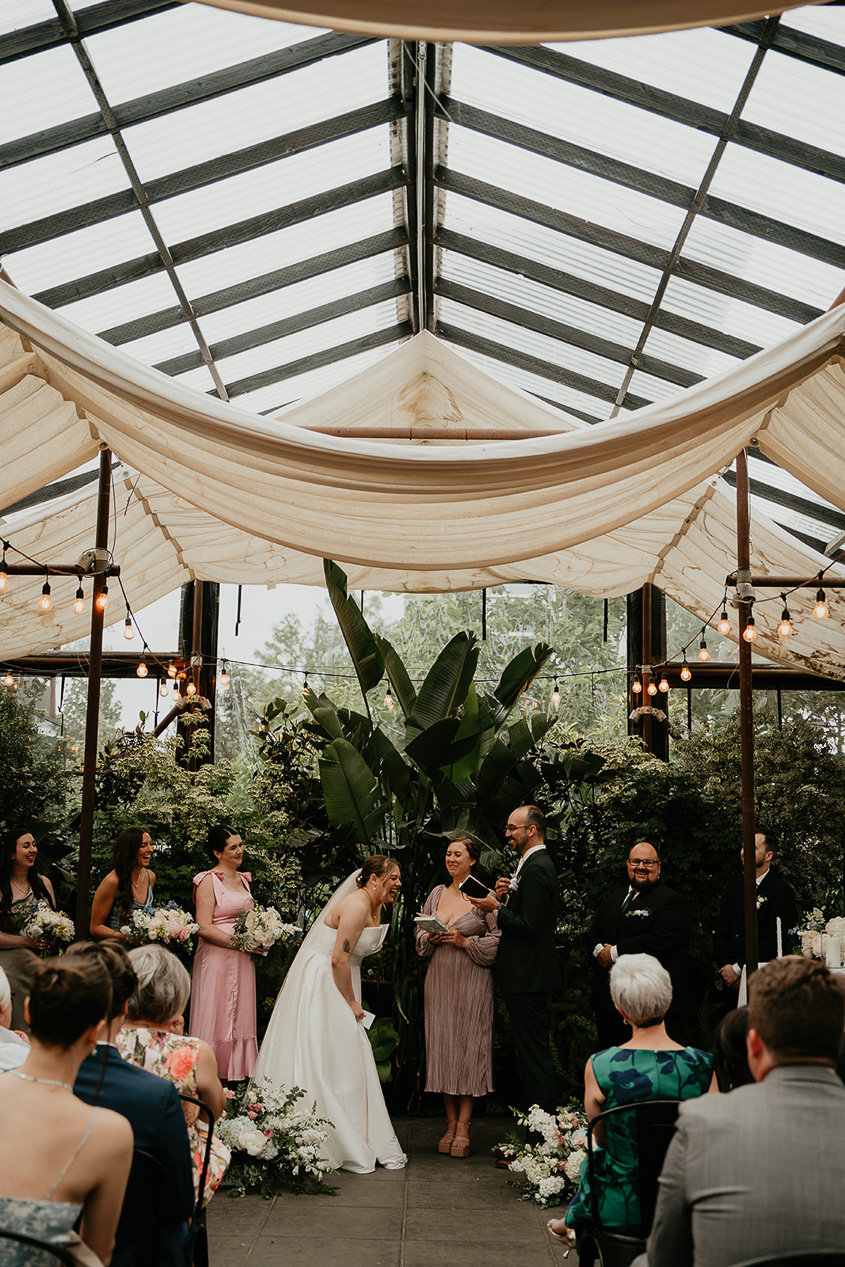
(59, 1160)
(153, 1225)
(650, 1066)
(14, 1048)
(731, 1050)
(152, 1037)
(759, 1171)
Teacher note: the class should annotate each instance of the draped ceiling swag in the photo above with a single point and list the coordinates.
(210, 491)
(502, 22)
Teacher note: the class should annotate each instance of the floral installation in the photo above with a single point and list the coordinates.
(275, 1142)
(814, 930)
(552, 1167)
(166, 924)
(39, 920)
(260, 928)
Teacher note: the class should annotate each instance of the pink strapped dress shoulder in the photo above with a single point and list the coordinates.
(223, 992)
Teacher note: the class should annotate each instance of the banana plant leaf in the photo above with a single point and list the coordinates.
(350, 790)
(470, 728)
(366, 657)
(446, 684)
(524, 735)
(400, 683)
(388, 759)
(516, 679)
(494, 768)
(428, 748)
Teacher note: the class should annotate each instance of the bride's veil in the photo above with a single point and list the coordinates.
(349, 885)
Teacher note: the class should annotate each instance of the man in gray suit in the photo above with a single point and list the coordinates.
(762, 1169)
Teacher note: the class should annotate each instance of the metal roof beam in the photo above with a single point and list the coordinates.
(649, 183)
(569, 284)
(180, 96)
(669, 105)
(610, 240)
(534, 365)
(570, 336)
(790, 501)
(90, 21)
(290, 325)
(315, 360)
(229, 296)
(201, 175)
(219, 239)
(794, 43)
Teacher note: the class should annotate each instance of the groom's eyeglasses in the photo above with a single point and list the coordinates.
(638, 865)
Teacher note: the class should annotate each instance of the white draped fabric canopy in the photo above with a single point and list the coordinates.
(434, 503)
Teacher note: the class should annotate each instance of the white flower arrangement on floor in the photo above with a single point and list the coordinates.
(552, 1167)
(275, 1144)
(260, 928)
(39, 920)
(166, 924)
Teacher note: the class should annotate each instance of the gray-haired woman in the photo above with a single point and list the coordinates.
(153, 1038)
(650, 1066)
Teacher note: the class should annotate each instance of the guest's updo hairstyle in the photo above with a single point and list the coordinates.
(163, 986)
(217, 837)
(114, 961)
(730, 1051)
(378, 864)
(641, 988)
(67, 997)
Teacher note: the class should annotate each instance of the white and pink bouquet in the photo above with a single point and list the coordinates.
(166, 924)
(40, 920)
(275, 1141)
(550, 1168)
(260, 928)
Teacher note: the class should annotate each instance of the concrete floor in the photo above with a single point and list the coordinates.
(439, 1210)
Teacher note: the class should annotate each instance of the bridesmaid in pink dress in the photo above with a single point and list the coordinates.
(223, 992)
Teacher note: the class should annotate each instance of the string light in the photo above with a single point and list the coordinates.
(176, 692)
(128, 631)
(703, 653)
(4, 580)
(636, 685)
(45, 602)
(686, 672)
(162, 690)
(171, 669)
(191, 688)
(388, 699)
(652, 687)
(724, 622)
(79, 601)
(102, 600)
(142, 669)
(749, 633)
(820, 611)
(785, 626)
(305, 687)
(663, 684)
(556, 695)
(223, 680)
(8, 680)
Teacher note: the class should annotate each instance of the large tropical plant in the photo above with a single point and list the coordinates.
(456, 759)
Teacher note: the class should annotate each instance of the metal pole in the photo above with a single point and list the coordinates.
(92, 716)
(746, 721)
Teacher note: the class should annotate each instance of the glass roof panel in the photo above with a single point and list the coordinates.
(823, 20)
(57, 182)
(41, 92)
(200, 379)
(161, 346)
(557, 185)
(114, 307)
(557, 393)
(732, 316)
(702, 65)
(701, 360)
(799, 100)
(258, 113)
(576, 114)
(180, 44)
(281, 396)
(17, 15)
(782, 191)
(76, 254)
(649, 388)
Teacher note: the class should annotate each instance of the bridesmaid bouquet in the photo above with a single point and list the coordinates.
(166, 924)
(275, 1142)
(551, 1168)
(40, 920)
(260, 928)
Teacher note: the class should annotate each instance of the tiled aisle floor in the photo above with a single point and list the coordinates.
(439, 1211)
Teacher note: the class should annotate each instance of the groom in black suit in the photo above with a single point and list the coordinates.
(643, 916)
(527, 967)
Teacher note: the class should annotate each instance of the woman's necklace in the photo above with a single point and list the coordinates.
(23, 889)
(140, 881)
(43, 1082)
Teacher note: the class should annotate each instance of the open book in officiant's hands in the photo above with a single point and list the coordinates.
(431, 923)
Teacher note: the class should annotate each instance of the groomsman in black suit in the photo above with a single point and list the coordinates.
(527, 967)
(775, 901)
(643, 916)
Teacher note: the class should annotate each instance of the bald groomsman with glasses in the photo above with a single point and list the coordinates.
(643, 916)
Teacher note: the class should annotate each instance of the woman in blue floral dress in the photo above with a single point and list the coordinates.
(651, 1066)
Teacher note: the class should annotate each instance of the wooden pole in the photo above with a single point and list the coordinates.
(92, 717)
(648, 738)
(746, 720)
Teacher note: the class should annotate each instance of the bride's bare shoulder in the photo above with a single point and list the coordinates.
(347, 905)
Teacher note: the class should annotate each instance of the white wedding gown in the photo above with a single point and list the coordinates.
(314, 1042)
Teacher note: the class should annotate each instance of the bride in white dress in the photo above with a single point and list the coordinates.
(316, 1039)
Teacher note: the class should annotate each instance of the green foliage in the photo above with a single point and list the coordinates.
(34, 785)
(384, 1040)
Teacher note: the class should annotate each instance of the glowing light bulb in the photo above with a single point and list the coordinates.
(162, 690)
(749, 633)
(4, 580)
(128, 631)
(102, 600)
(785, 626)
(191, 689)
(636, 686)
(45, 602)
(305, 687)
(652, 687)
(703, 653)
(176, 692)
(8, 680)
(663, 684)
(556, 696)
(142, 669)
(724, 623)
(223, 680)
(388, 700)
(171, 669)
(79, 602)
(686, 672)
(820, 611)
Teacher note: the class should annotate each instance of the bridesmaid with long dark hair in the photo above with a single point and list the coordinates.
(127, 887)
(20, 886)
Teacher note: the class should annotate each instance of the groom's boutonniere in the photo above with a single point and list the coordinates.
(760, 900)
(513, 883)
(642, 911)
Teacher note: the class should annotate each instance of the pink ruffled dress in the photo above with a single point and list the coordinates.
(223, 990)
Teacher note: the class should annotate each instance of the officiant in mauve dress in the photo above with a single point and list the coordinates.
(458, 997)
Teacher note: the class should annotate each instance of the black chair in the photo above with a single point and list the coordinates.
(798, 1258)
(140, 1226)
(654, 1127)
(198, 1245)
(32, 1242)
